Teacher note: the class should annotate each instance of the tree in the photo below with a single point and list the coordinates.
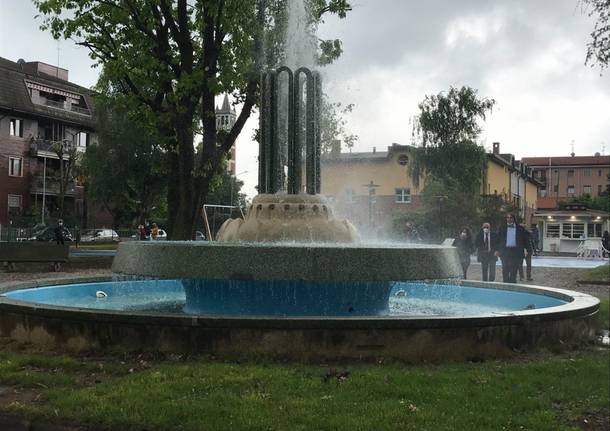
(69, 159)
(449, 157)
(598, 50)
(332, 126)
(126, 170)
(172, 59)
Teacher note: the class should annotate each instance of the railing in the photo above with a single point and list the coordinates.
(48, 145)
(54, 104)
(52, 185)
(79, 110)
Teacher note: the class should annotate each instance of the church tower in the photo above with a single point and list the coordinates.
(225, 118)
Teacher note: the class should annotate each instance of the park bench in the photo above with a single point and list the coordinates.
(35, 252)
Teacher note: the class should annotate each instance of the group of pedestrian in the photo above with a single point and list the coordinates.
(512, 243)
(148, 232)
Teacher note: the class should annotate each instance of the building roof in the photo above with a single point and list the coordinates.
(508, 160)
(569, 213)
(14, 95)
(366, 156)
(226, 107)
(567, 161)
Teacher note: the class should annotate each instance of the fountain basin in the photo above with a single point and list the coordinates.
(567, 320)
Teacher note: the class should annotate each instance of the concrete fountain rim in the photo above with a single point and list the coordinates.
(579, 305)
(286, 261)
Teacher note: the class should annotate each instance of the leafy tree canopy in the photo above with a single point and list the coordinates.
(598, 49)
(171, 58)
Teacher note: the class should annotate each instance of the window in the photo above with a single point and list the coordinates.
(82, 139)
(594, 230)
(556, 188)
(403, 160)
(14, 203)
(15, 167)
(16, 127)
(586, 189)
(573, 230)
(570, 173)
(599, 172)
(552, 230)
(571, 190)
(599, 190)
(403, 196)
(587, 172)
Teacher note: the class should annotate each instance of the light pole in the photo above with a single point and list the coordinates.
(440, 198)
(233, 179)
(371, 186)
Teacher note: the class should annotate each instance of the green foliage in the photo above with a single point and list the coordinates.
(168, 60)
(598, 49)
(601, 203)
(449, 157)
(126, 171)
(537, 394)
(333, 126)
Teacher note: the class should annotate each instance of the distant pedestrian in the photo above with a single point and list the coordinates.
(147, 230)
(154, 232)
(512, 247)
(528, 258)
(60, 234)
(606, 244)
(535, 233)
(465, 247)
(141, 233)
(486, 243)
(411, 233)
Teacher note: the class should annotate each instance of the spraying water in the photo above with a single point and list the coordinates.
(301, 42)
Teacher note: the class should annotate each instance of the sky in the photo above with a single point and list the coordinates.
(527, 55)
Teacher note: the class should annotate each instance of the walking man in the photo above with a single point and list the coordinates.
(486, 244)
(59, 232)
(512, 248)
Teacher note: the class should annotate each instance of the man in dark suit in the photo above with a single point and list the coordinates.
(486, 244)
(512, 248)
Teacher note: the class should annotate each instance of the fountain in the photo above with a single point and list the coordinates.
(293, 281)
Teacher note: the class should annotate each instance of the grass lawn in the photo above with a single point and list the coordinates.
(598, 275)
(533, 393)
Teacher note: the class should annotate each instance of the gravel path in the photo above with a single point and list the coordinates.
(561, 278)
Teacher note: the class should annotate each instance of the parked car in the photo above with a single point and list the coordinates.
(48, 234)
(199, 236)
(100, 235)
(161, 235)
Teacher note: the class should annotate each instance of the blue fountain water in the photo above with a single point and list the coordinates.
(403, 299)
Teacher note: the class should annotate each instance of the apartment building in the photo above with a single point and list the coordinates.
(563, 178)
(40, 109)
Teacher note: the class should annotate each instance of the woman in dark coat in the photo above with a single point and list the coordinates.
(465, 247)
(606, 243)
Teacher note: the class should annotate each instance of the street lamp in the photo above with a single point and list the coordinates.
(440, 199)
(233, 179)
(371, 186)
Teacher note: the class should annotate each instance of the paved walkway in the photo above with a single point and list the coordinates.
(560, 262)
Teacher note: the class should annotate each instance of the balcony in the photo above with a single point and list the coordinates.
(44, 148)
(51, 187)
(54, 104)
(79, 110)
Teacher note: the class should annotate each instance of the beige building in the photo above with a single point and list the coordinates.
(369, 188)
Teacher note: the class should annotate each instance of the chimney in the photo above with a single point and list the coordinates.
(47, 69)
(597, 154)
(374, 150)
(496, 148)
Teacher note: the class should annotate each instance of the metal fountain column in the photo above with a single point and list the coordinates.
(305, 93)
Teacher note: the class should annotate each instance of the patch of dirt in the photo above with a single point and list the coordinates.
(594, 421)
(17, 396)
